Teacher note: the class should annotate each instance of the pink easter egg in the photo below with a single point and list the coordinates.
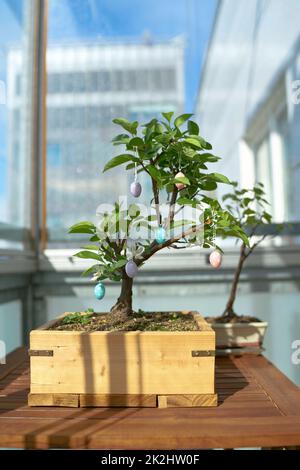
(215, 259)
(180, 186)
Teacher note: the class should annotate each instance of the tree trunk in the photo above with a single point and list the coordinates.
(123, 306)
(229, 312)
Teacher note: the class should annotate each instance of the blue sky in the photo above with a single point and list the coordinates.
(91, 19)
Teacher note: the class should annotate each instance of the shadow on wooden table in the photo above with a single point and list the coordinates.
(14, 381)
(229, 379)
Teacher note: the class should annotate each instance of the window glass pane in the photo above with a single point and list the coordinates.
(112, 59)
(263, 168)
(15, 102)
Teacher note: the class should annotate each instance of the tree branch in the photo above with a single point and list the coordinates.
(156, 200)
(255, 245)
(250, 249)
(172, 207)
(155, 247)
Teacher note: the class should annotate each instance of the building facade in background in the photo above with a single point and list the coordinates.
(246, 104)
(89, 85)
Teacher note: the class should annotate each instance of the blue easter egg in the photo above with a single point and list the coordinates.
(131, 269)
(160, 235)
(135, 189)
(99, 291)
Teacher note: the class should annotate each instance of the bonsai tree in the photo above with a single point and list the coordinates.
(176, 161)
(249, 207)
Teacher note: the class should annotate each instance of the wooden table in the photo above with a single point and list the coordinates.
(258, 407)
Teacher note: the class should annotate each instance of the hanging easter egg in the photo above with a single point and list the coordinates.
(160, 235)
(135, 189)
(99, 291)
(131, 269)
(215, 259)
(179, 185)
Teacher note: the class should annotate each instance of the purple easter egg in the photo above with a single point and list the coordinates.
(135, 189)
(131, 269)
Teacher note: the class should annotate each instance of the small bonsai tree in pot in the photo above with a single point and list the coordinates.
(176, 161)
(133, 358)
(250, 208)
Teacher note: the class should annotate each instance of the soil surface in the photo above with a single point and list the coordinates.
(138, 321)
(234, 319)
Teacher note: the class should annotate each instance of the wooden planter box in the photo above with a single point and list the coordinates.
(73, 368)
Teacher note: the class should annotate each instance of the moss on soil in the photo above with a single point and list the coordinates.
(137, 321)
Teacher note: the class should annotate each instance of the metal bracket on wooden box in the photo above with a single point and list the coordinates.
(208, 353)
(40, 352)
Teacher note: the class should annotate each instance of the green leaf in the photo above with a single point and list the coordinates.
(258, 191)
(209, 185)
(91, 247)
(119, 160)
(207, 157)
(168, 116)
(219, 178)
(182, 179)
(90, 270)
(242, 236)
(127, 125)
(237, 232)
(158, 128)
(193, 128)
(119, 264)
(207, 145)
(267, 217)
(150, 124)
(189, 152)
(154, 172)
(213, 203)
(181, 119)
(164, 139)
(121, 139)
(185, 201)
(224, 223)
(130, 166)
(198, 142)
(249, 212)
(136, 142)
(203, 166)
(94, 238)
(195, 141)
(133, 211)
(83, 227)
(88, 255)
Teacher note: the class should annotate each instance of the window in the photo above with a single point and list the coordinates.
(97, 72)
(276, 158)
(15, 109)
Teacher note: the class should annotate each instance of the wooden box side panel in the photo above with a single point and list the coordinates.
(122, 363)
